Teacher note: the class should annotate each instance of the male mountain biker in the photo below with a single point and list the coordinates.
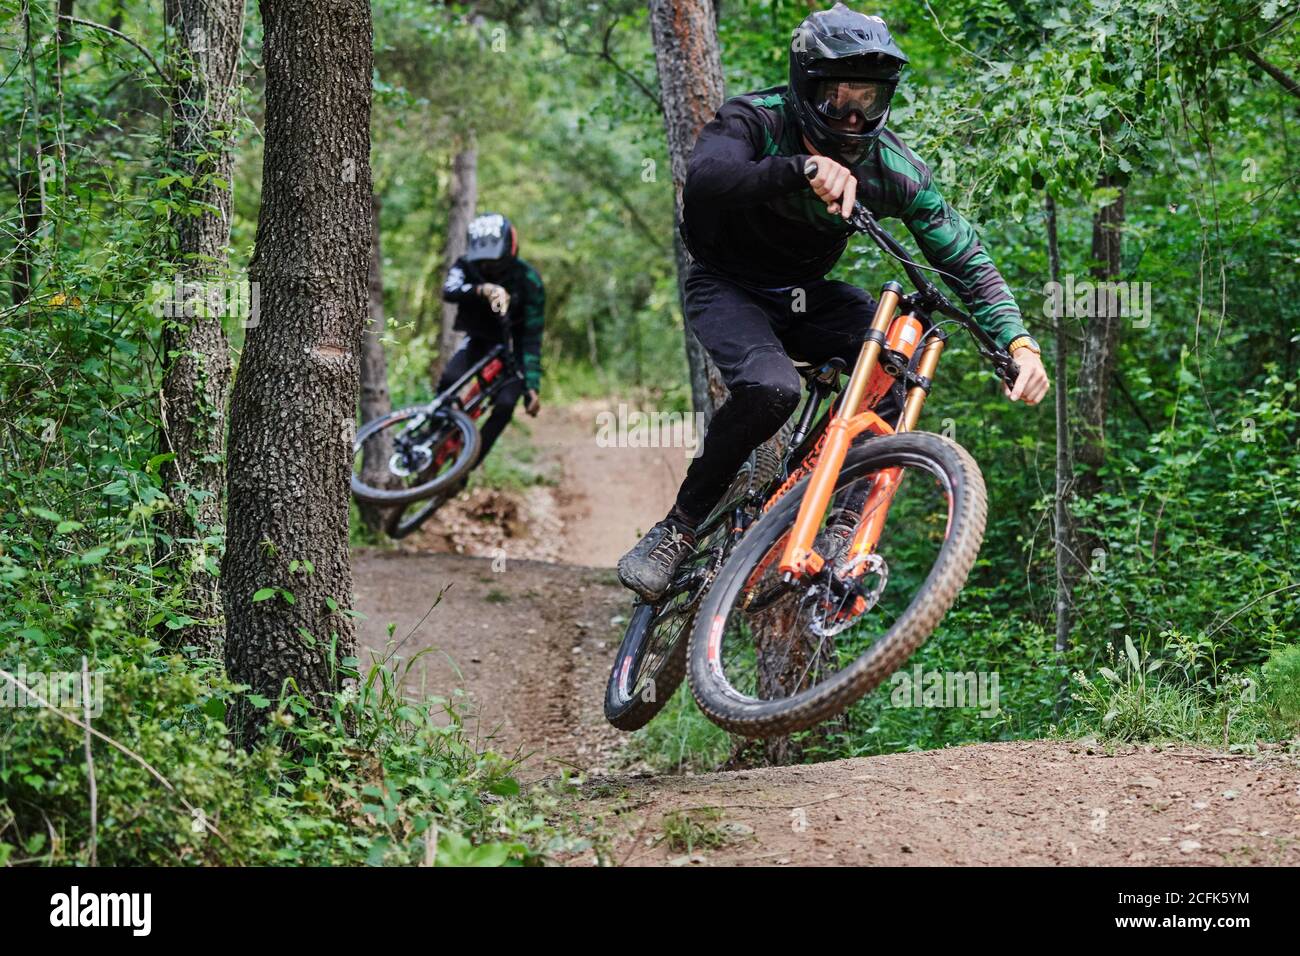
(763, 242)
(492, 286)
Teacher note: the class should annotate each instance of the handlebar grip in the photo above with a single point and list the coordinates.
(810, 168)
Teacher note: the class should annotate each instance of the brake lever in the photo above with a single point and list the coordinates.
(1004, 365)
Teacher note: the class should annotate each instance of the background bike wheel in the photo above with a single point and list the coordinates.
(439, 451)
(768, 660)
(651, 660)
(404, 519)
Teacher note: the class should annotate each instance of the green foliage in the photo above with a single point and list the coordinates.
(406, 786)
(1282, 682)
(1141, 698)
(679, 739)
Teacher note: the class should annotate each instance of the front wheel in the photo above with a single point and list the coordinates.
(770, 657)
(425, 453)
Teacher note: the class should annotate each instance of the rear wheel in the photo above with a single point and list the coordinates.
(770, 657)
(651, 660)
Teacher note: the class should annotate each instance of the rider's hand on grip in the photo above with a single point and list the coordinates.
(498, 298)
(834, 184)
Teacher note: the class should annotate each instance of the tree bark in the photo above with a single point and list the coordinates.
(375, 398)
(196, 354)
(463, 198)
(1100, 340)
(31, 185)
(1066, 572)
(292, 416)
(685, 37)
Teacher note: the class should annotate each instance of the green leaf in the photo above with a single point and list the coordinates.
(1132, 653)
(263, 594)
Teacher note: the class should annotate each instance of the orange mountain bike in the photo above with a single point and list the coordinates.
(863, 544)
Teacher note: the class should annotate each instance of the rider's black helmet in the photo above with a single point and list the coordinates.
(491, 236)
(841, 63)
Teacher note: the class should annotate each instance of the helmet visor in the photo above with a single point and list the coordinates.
(838, 99)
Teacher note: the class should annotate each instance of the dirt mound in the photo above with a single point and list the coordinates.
(487, 523)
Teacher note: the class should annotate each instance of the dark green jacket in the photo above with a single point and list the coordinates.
(748, 212)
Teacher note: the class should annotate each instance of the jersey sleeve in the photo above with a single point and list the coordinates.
(534, 322)
(460, 283)
(950, 243)
(732, 164)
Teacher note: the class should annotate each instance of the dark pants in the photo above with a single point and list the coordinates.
(503, 404)
(752, 337)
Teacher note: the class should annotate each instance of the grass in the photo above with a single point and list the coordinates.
(680, 738)
(513, 463)
(1149, 699)
(685, 831)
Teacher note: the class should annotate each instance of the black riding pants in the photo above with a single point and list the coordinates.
(752, 336)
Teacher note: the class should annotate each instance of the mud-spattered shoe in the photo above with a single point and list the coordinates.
(649, 567)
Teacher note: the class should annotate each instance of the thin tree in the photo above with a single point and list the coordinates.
(685, 36)
(286, 578)
(1066, 570)
(1101, 335)
(376, 400)
(196, 353)
(462, 197)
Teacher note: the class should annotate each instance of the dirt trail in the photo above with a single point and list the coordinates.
(530, 644)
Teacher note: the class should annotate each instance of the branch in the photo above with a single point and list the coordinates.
(121, 36)
(604, 53)
(1288, 83)
(607, 55)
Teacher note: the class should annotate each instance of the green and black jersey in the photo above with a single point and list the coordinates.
(526, 313)
(748, 212)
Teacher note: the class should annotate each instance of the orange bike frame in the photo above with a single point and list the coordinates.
(852, 417)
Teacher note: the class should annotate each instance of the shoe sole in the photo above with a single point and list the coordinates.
(641, 591)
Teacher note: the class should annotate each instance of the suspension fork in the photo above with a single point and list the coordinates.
(800, 558)
(886, 482)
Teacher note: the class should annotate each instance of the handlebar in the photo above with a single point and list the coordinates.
(928, 298)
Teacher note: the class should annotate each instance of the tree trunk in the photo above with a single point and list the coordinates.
(31, 182)
(1100, 340)
(292, 417)
(463, 197)
(685, 37)
(1066, 571)
(375, 399)
(196, 354)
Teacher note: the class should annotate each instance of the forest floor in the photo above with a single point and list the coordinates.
(512, 599)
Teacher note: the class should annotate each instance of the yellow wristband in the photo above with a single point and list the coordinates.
(1024, 342)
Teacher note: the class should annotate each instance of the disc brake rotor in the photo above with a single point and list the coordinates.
(412, 463)
(841, 597)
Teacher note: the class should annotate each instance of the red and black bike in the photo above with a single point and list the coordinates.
(430, 449)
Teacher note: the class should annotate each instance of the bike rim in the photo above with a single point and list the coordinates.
(781, 642)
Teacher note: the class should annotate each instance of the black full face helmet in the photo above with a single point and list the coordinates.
(492, 244)
(844, 68)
